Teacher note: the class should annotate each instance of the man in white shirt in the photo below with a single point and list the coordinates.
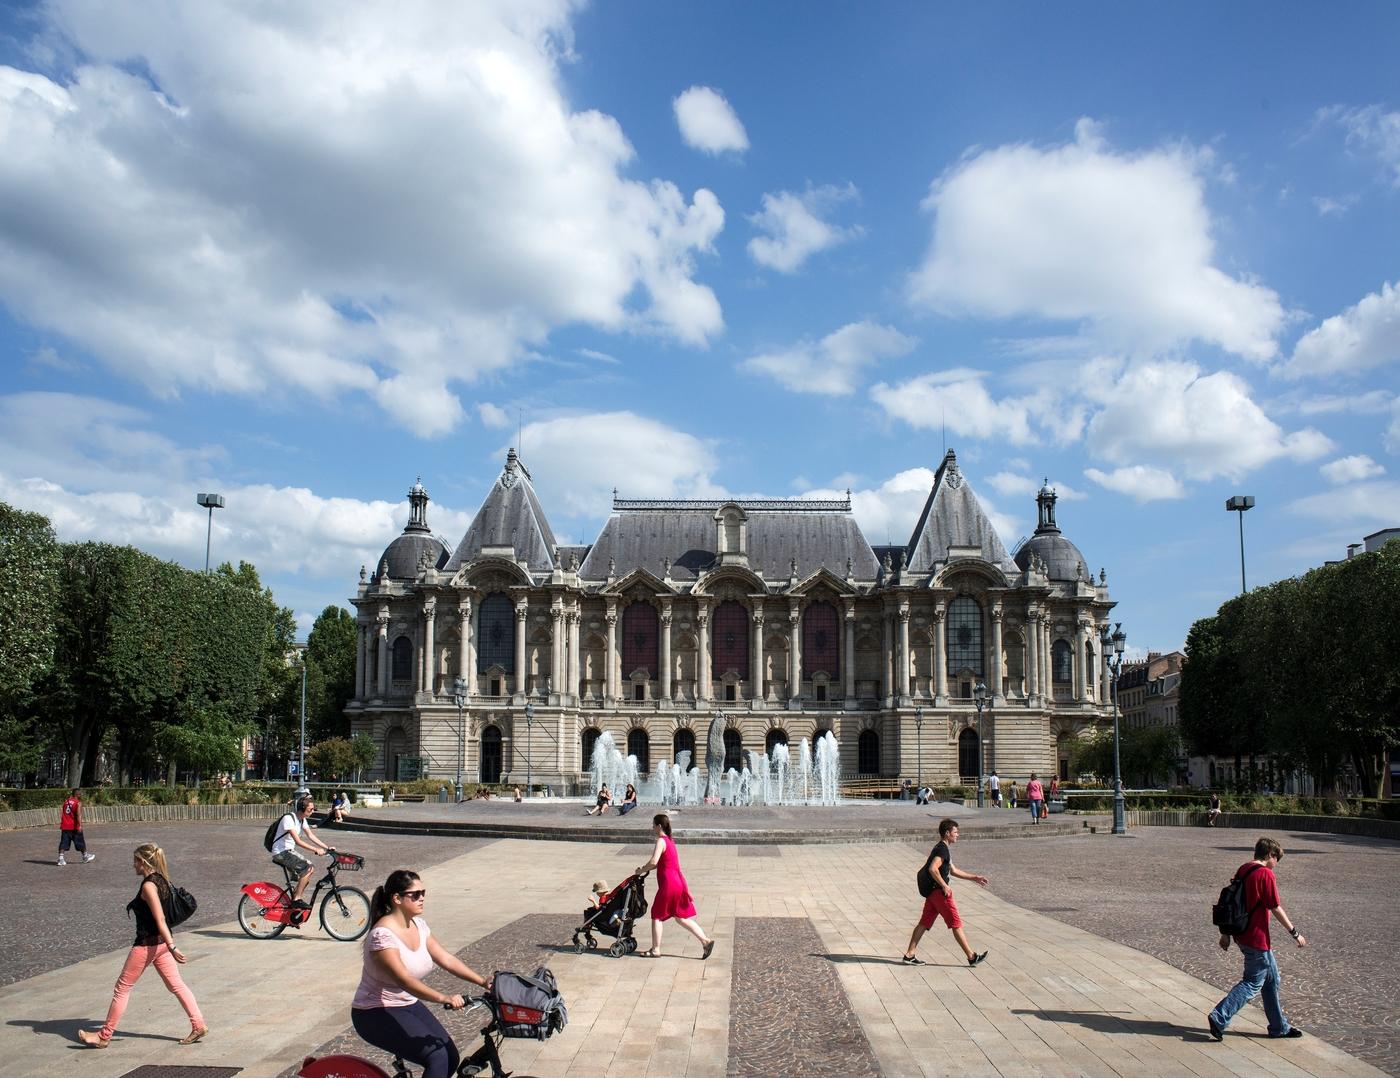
(294, 831)
(994, 786)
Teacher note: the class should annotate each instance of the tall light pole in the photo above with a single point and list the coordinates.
(1113, 644)
(919, 726)
(301, 744)
(210, 502)
(529, 727)
(459, 697)
(979, 697)
(1240, 504)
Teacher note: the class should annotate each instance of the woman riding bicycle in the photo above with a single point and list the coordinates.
(388, 1009)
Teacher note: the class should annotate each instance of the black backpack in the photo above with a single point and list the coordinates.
(1230, 915)
(925, 878)
(271, 836)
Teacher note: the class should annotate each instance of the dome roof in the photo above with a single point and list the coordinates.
(403, 557)
(1062, 558)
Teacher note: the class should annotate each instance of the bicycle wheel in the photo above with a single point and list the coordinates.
(254, 921)
(345, 913)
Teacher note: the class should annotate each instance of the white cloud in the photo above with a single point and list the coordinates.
(957, 399)
(708, 123)
(1372, 402)
(1361, 504)
(577, 460)
(1081, 233)
(832, 365)
(351, 200)
(1333, 207)
(1392, 433)
(493, 416)
(1363, 336)
(1013, 484)
(1139, 482)
(1351, 469)
(796, 227)
(1370, 131)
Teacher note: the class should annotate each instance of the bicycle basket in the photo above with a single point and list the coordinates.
(349, 862)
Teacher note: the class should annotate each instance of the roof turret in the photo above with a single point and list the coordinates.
(417, 548)
(1062, 558)
(510, 517)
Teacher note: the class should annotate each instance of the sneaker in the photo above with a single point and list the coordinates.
(977, 959)
(1293, 1031)
(89, 857)
(1217, 1031)
(912, 960)
(61, 862)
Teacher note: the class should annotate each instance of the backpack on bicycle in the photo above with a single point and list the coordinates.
(530, 1006)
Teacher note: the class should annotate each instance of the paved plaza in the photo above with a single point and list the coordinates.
(1102, 958)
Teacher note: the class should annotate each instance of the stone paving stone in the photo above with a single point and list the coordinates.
(153, 1070)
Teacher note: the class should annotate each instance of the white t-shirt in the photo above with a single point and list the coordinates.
(290, 824)
(379, 990)
(994, 783)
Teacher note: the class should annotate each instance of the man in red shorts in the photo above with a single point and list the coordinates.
(940, 900)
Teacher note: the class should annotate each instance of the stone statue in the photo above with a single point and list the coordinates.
(362, 574)
(612, 563)
(714, 755)
(885, 562)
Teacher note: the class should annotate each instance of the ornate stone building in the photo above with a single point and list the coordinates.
(778, 613)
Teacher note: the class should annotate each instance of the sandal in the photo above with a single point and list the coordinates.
(93, 1039)
(648, 954)
(195, 1035)
(707, 948)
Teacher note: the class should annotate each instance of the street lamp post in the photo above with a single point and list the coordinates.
(459, 697)
(529, 727)
(210, 502)
(1240, 503)
(919, 726)
(301, 743)
(1113, 644)
(979, 697)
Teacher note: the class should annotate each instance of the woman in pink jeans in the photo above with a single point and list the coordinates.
(154, 946)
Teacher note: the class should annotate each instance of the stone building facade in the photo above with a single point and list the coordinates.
(776, 613)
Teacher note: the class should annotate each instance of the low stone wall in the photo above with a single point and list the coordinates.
(1264, 823)
(92, 814)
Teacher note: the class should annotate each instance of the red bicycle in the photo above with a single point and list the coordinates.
(486, 1058)
(266, 910)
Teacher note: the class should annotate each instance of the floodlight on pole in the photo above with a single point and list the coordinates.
(1240, 504)
(210, 502)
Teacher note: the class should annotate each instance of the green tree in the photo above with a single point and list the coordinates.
(29, 567)
(366, 752)
(333, 758)
(330, 649)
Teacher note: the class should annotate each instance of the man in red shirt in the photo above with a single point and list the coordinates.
(70, 822)
(1260, 969)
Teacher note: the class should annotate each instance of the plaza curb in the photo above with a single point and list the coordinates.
(20, 819)
(1358, 827)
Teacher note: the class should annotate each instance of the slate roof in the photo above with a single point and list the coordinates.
(953, 516)
(1062, 558)
(644, 534)
(402, 557)
(511, 515)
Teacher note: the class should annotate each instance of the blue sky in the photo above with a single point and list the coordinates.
(303, 256)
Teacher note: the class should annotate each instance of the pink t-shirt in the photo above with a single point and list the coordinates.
(377, 989)
(1034, 791)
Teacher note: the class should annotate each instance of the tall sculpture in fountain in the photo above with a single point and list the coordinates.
(714, 756)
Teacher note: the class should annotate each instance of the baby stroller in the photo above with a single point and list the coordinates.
(615, 914)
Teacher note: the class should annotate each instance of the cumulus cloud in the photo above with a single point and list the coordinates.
(958, 399)
(1351, 469)
(492, 415)
(345, 201)
(1118, 242)
(1392, 433)
(1139, 482)
(1013, 484)
(708, 123)
(1370, 131)
(1361, 504)
(796, 227)
(1363, 336)
(832, 365)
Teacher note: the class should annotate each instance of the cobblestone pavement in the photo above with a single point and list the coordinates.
(58, 916)
(1153, 889)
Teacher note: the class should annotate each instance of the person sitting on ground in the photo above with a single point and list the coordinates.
(604, 800)
(294, 831)
(338, 804)
(518, 798)
(1214, 812)
(629, 801)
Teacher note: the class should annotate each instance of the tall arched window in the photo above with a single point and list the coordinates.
(775, 737)
(640, 627)
(683, 740)
(491, 754)
(733, 750)
(821, 641)
(495, 634)
(402, 666)
(1061, 661)
(639, 745)
(868, 753)
(590, 739)
(965, 635)
(968, 745)
(729, 639)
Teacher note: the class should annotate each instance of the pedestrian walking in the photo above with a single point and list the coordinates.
(154, 946)
(1011, 793)
(1261, 974)
(70, 823)
(1035, 794)
(994, 788)
(672, 894)
(940, 900)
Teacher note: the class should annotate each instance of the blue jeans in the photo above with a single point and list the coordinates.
(1035, 811)
(1260, 975)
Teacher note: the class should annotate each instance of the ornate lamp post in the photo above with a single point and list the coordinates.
(919, 726)
(979, 697)
(459, 697)
(529, 726)
(1113, 645)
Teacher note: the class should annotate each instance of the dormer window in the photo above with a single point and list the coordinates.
(731, 533)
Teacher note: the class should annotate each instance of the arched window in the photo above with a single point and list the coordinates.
(965, 635)
(491, 754)
(868, 753)
(967, 753)
(729, 639)
(733, 750)
(590, 739)
(495, 634)
(1061, 661)
(731, 533)
(639, 745)
(402, 666)
(683, 740)
(775, 737)
(821, 642)
(640, 625)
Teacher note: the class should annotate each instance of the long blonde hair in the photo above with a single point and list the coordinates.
(153, 858)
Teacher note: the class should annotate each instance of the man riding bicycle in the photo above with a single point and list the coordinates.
(294, 831)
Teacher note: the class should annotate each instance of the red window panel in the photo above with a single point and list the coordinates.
(821, 641)
(640, 628)
(729, 639)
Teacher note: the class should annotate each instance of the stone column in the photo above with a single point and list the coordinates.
(1104, 679)
(1047, 655)
(794, 651)
(556, 647)
(522, 613)
(382, 622)
(465, 653)
(848, 671)
(702, 659)
(360, 659)
(575, 663)
(1032, 653)
(610, 674)
(887, 626)
(940, 654)
(1081, 660)
(665, 671)
(998, 697)
(756, 659)
(430, 647)
(902, 656)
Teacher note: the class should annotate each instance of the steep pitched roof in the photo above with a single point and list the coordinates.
(511, 516)
(952, 517)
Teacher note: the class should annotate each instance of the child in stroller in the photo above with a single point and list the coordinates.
(614, 915)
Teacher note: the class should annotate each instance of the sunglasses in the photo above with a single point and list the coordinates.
(415, 896)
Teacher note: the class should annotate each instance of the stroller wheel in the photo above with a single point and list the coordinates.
(592, 944)
(616, 949)
(631, 944)
(578, 946)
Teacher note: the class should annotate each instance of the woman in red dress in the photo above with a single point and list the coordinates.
(672, 895)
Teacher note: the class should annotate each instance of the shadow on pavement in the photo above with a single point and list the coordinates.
(67, 1028)
(1110, 1022)
(878, 959)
